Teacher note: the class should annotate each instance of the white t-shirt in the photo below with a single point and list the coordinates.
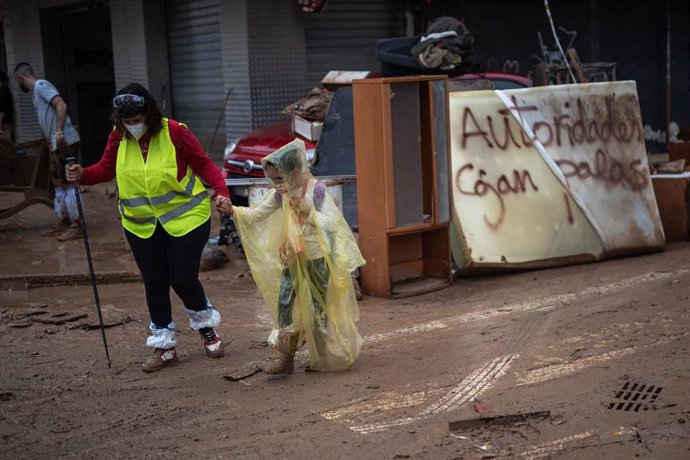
(43, 93)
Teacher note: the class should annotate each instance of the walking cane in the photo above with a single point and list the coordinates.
(82, 222)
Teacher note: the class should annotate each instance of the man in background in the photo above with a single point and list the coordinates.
(63, 141)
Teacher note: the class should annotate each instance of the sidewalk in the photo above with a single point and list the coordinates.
(28, 255)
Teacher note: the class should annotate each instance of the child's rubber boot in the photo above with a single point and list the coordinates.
(285, 362)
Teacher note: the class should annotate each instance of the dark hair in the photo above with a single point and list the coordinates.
(153, 117)
(24, 68)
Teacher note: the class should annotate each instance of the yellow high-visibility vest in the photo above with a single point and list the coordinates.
(150, 192)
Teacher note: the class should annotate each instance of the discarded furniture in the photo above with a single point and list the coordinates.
(679, 151)
(673, 199)
(402, 163)
(24, 168)
(558, 74)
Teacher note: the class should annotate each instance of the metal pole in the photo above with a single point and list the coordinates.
(220, 118)
(82, 223)
(558, 43)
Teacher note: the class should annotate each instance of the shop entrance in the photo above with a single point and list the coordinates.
(82, 68)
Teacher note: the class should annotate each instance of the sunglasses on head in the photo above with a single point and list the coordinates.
(128, 104)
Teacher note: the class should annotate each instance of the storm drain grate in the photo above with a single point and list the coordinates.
(634, 396)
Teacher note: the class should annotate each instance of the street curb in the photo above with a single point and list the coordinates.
(69, 279)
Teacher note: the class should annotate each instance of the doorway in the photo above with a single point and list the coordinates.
(82, 69)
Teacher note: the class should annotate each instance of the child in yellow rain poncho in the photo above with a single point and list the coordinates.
(301, 253)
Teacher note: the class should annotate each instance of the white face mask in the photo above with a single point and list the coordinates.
(136, 130)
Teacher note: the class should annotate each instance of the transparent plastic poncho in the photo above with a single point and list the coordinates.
(301, 253)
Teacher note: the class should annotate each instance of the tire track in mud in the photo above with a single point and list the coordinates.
(471, 387)
(486, 375)
(480, 380)
(557, 371)
(544, 304)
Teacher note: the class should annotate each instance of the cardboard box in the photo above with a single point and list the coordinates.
(338, 78)
(308, 129)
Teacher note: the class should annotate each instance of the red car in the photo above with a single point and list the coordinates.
(243, 157)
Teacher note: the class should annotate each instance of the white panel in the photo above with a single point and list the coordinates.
(546, 175)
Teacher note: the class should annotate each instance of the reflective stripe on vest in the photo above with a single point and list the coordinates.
(168, 216)
(162, 199)
(150, 192)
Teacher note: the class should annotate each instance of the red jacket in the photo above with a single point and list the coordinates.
(188, 152)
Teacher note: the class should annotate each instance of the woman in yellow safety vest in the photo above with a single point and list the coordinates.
(165, 211)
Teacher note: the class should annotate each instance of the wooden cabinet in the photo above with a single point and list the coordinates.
(672, 194)
(403, 183)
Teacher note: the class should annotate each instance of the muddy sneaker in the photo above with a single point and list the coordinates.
(212, 342)
(159, 359)
(72, 233)
(57, 229)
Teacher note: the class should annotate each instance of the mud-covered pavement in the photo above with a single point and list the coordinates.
(598, 352)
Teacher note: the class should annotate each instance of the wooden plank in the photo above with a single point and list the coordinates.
(406, 271)
(436, 268)
(672, 197)
(405, 79)
(386, 145)
(577, 65)
(436, 243)
(416, 229)
(370, 135)
(405, 248)
(418, 286)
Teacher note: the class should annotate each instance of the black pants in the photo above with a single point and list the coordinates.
(167, 261)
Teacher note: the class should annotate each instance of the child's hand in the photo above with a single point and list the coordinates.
(224, 204)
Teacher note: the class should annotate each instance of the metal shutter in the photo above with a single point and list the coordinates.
(196, 68)
(343, 36)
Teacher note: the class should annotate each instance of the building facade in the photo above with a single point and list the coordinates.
(226, 67)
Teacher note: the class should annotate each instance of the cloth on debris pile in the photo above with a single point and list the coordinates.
(313, 107)
(448, 44)
(301, 252)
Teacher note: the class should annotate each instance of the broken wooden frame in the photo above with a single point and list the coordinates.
(24, 168)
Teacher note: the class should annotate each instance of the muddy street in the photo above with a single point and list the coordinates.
(587, 361)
